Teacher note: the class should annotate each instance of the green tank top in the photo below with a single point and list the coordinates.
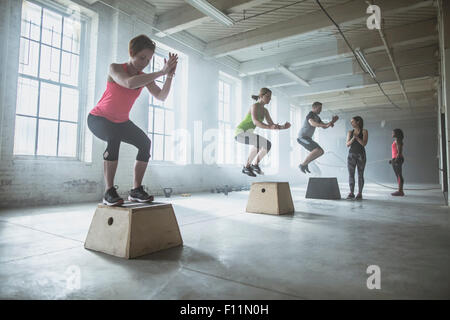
(247, 123)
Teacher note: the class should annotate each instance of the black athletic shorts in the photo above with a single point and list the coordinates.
(308, 143)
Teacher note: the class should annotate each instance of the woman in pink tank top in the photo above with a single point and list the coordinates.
(109, 119)
(397, 160)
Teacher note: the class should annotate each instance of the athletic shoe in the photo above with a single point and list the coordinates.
(111, 198)
(256, 169)
(248, 171)
(398, 194)
(307, 169)
(139, 195)
(303, 168)
(351, 196)
(359, 196)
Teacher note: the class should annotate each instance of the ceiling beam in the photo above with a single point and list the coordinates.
(362, 80)
(412, 85)
(405, 35)
(349, 13)
(418, 98)
(186, 16)
(357, 101)
(378, 61)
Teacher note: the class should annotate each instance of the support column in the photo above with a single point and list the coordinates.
(444, 49)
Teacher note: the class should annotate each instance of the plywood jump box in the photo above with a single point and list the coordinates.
(270, 198)
(133, 229)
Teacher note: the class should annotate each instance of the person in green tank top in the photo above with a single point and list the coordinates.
(244, 132)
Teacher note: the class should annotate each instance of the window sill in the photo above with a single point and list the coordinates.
(48, 159)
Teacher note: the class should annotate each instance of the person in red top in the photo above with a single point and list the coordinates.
(109, 119)
(397, 160)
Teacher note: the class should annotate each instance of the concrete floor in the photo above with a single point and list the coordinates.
(320, 252)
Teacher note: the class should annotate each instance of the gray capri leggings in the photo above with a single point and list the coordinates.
(253, 139)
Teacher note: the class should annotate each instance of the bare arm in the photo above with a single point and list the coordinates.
(155, 90)
(267, 116)
(255, 120)
(350, 140)
(365, 138)
(319, 124)
(119, 76)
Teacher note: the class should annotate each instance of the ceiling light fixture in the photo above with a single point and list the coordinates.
(364, 62)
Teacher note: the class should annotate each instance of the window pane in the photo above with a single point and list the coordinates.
(51, 28)
(49, 63)
(221, 143)
(226, 112)
(220, 111)
(226, 93)
(159, 120)
(159, 64)
(158, 145)
(169, 103)
(71, 38)
(220, 90)
(229, 155)
(47, 135)
(28, 57)
(69, 69)
(27, 96)
(69, 104)
(49, 101)
(168, 151)
(31, 20)
(157, 102)
(170, 122)
(25, 135)
(67, 139)
(150, 119)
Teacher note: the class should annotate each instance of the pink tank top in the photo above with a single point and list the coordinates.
(116, 102)
(394, 150)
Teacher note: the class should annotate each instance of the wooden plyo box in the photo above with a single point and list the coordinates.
(133, 229)
(270, 198)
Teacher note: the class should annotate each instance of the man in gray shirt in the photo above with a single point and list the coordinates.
(312, 121)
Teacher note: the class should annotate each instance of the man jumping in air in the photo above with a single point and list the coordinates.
(310, 124)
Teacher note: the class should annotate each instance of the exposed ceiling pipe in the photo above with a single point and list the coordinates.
(391, 58)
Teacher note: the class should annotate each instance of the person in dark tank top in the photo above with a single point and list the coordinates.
(357, 141)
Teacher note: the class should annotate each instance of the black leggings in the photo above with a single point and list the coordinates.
(356, 160)
(397, 166)
(113, 133)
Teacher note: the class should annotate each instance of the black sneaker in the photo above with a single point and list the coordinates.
(248, 171)
(111, 198)
(256, 169)
(304, 169)
(351, 196)
(359, 196)
(139, 195)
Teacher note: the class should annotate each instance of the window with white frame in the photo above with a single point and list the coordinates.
(296, 149)
(229, 110)
(161, 120)
(48, 91)
(225, 150)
